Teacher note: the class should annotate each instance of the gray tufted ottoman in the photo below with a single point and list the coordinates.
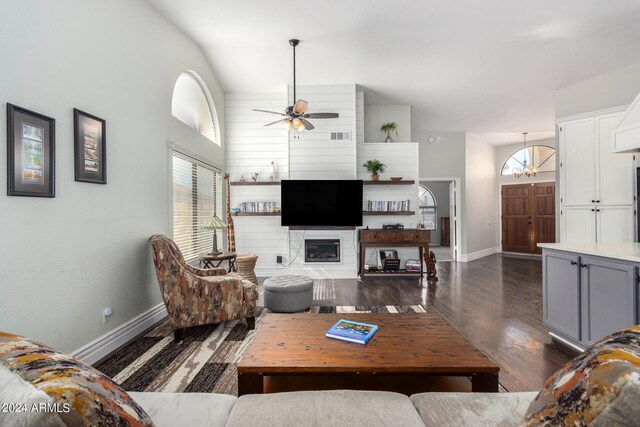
(288, 294)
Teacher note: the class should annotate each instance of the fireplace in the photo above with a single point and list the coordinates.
(322, 250)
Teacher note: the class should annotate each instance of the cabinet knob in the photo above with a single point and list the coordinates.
(597, 201)
(574, 262)
(597, 210)
(593, 201)
(584, 265)
(593, 210)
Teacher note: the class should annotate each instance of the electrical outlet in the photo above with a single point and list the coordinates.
(279, 259)
(106, 314)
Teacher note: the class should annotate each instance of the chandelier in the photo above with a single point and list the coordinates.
(528, 170)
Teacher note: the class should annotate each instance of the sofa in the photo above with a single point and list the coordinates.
(600, 387)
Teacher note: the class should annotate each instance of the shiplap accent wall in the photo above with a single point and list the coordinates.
(312, 155)
(251, 147)
(401, 160)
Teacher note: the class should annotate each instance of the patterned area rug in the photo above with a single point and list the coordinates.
(206, 360)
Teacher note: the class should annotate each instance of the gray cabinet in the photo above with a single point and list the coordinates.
(586, 297)
(607, 297)
(561, 293)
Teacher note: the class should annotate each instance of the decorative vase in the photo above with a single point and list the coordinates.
(389, 139)
(375, 177)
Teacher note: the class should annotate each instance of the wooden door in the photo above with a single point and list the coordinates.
(528, 216)
(544, 214)
(517, 218)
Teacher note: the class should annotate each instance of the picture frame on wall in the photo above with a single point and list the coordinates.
(90, 147)
(31, 142)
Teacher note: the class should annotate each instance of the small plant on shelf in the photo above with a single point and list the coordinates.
(388, 128)
(375, 167)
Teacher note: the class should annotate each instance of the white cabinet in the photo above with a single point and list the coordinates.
(596, 185)
(614, 224)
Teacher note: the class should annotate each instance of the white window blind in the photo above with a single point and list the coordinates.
(197, 196)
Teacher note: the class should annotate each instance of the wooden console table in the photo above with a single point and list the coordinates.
(414, 238)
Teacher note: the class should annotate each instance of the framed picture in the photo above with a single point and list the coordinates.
(90, 148)
(31, 142)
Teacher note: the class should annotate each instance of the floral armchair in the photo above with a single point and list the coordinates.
(195, 296)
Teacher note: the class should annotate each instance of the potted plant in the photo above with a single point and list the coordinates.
(374, 167)
(388, 128)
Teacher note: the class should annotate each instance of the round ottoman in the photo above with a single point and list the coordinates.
(288, 294)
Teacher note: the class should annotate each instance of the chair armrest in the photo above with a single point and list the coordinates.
(206, 272)
(249, 291)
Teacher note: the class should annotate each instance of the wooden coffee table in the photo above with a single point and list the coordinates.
(415, 349)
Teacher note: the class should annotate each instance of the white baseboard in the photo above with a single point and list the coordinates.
(477, 255)
(112, 340)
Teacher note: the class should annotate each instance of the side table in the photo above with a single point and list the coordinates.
(213, 261)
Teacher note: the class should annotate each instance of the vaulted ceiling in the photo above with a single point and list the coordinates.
(463, 65)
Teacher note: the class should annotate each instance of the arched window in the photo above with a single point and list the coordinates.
(192, 104)
(428, 207)
(541, 157)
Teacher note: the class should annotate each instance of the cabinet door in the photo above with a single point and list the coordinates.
(615, 224)
(578, 162)
(615, 171)
(561, 293)
(607, 297)
(578, 225)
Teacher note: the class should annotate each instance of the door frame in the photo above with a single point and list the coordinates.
(458, 216)
(503, 184)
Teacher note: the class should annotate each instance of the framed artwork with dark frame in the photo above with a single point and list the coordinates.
(31, 142)
(90, 148)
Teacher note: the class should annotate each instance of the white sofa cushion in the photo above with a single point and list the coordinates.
(324, 408)
(185, 409)
(472, 409)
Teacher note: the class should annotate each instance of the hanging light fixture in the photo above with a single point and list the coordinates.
(528, 170)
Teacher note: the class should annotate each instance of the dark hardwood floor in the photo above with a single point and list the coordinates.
(495, 302)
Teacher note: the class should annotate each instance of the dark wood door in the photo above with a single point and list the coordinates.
(528, 216)
(517, 218)
(544, 195)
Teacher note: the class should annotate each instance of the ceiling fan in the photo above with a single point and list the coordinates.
(295, 115)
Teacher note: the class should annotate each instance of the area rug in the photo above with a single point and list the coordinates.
(207, 358)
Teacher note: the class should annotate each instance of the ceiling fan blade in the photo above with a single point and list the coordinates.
(300, 106)
(267, 111)
(322, 115)
(277, 121)
(307, 124)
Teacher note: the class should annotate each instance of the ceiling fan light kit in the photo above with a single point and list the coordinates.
(295, 115)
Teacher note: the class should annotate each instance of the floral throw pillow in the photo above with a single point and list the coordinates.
(599, 387)
(80, 395)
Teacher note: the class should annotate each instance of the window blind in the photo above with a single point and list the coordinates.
(197, 197)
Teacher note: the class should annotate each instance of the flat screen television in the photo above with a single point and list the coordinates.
(330, 203)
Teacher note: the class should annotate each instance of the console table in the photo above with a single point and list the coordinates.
(415, 238)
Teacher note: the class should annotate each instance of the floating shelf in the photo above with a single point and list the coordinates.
(388, 213)
(255, 183)
(402, 182)
(257, 214)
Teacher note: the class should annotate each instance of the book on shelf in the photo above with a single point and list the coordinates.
(260, 207)
(412, 265)
(388, 206)
(347, 330)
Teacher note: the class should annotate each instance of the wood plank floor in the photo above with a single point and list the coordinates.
(495, 302)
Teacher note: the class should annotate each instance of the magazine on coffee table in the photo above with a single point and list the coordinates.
(351, 331)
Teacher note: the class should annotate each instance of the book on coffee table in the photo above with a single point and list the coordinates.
(348, 330)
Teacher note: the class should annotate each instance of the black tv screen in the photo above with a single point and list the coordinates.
(330, 203)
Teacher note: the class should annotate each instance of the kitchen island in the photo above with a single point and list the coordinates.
(589, 290)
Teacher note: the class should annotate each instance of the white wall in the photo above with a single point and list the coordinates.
(65, 259)
(479, 217)
(376, 115)
(613, 89)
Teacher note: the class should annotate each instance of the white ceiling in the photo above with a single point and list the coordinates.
(506, 138)
(481, 66)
